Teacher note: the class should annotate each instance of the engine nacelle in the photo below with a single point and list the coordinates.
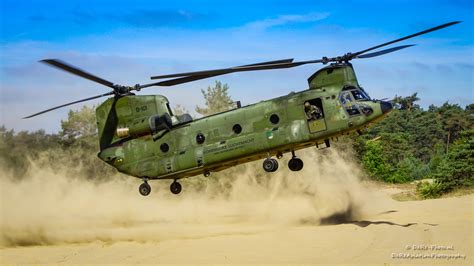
(152, 125)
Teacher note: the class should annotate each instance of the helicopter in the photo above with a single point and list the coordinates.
(140, 136)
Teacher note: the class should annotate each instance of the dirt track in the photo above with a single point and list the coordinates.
(285, 221)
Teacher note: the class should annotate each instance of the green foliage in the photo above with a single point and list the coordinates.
(406, 103)
(454, 120)
(217, 99)
(374, 160)
(414, 144)
(17, 149)
(457, 168)
(429, 190)
(409, 169)
(73, 149)
(80, 125)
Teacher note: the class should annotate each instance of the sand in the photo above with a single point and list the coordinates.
(321, 215)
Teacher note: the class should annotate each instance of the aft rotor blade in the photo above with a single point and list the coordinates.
(406, 37)
(289, 60)
(386, 51)
(76, 71)
(226, 70)
(60, 106)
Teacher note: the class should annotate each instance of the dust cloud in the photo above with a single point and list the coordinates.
(49, 207)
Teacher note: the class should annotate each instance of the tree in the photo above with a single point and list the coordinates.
(179, 110)
(216, 99)
(454, 120)
(414, 142)
(406, 103)
(17, 149)
(457, 168)
(374, 160)
(80, 124)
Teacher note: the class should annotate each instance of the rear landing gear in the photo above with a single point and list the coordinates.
(295, 163)
(144, 189)
(175, 187)
(270, 165)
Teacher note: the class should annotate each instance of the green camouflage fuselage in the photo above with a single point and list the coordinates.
(236, 136)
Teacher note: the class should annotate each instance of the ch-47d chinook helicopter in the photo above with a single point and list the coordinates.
(139, 135)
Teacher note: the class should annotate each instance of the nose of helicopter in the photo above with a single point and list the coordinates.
(385, 106)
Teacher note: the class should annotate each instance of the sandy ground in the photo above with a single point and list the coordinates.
(312, 217)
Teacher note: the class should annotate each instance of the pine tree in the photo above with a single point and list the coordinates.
(457, 168)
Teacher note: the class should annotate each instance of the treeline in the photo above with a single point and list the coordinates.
(74, 149)
(412, 144)
(409, 144)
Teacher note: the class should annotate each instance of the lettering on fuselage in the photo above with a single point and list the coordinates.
(229, 147)
(141, 108)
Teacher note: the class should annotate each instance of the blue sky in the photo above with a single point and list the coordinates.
(127, 42)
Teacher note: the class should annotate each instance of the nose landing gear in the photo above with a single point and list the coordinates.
(295, 163)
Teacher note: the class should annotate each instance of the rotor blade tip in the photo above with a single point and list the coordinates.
(47, 61)
(452, 23)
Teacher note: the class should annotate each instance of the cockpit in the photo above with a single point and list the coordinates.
(357, 93)
(352, 99)
(360, 95)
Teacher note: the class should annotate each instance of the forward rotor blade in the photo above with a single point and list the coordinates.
(406, 37)
(218, 72)
(57, 107)
(76, 71)
(181, 80)
(224, 70)
(386, 51)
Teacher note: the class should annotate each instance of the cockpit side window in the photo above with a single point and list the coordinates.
(358, 95)
(348, 103)
(345, 98)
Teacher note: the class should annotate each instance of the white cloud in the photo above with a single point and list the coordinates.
(285, 19)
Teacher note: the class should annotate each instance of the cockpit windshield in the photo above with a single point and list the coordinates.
(360, 95)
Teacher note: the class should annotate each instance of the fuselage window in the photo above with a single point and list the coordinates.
(200, 138)
(274, 119)
(237, 129)
(313, 109)
(164, 147)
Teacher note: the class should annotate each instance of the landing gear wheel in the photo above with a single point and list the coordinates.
(175, 187)
(295, 164)
(275, 163)
(270, 165)
(144, 189)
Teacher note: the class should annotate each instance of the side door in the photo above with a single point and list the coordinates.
(314, 113)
